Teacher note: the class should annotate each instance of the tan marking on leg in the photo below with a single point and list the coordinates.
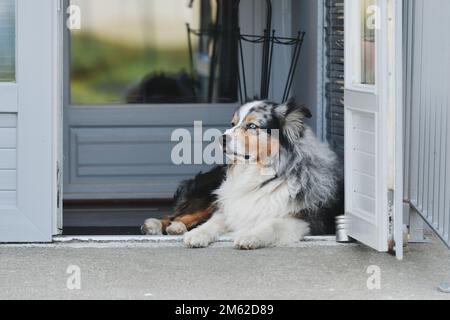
(194, 219)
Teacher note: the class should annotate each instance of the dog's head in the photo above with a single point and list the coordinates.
(261, 129)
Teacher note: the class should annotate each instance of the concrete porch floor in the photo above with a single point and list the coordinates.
(319, 270)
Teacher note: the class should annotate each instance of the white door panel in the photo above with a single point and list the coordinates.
(366, 125)
(373, 122)
(27, 102)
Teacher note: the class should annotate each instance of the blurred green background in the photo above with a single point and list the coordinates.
(103, 70)
(121, 42)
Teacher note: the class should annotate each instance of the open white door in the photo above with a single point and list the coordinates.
(27, 124)
(371, 103)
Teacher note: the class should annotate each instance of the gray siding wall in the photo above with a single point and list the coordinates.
(427, 96)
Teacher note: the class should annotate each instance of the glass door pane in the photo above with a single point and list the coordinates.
(368, 27)
(7, 40)
(139, 51)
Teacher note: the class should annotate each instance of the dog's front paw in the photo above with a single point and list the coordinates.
(249, 242)
(197, 239)
(176, 228)
(152, 227)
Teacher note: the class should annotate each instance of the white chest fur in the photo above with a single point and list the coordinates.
(245, 201)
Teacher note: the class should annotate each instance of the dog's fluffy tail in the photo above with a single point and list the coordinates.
(323, 220)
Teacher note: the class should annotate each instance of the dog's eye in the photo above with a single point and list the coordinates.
(233, 124)
(252, 126)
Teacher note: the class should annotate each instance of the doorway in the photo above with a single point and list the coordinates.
(128, 89)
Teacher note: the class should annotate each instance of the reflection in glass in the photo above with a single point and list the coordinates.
(368, 25)
(137, 51)
(7, 40)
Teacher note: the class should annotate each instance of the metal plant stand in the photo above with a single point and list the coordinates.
(268, 42)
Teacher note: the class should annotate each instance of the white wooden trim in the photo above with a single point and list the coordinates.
(399, 126)
(58, 119)
(382, 91)
(371, 101)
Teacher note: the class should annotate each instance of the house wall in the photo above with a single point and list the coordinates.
(307, 16)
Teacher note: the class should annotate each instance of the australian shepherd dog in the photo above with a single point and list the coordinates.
(280, 185)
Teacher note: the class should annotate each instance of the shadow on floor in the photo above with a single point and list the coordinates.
(110, 218)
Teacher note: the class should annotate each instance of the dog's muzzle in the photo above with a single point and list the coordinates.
(225, 142)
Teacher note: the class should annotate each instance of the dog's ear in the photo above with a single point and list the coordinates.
(292, 115)
(294, 107)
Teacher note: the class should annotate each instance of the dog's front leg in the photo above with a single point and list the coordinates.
(272, 233)
(207, 233)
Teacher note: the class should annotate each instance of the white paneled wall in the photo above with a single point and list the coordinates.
(8, 159)
(363, 164)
